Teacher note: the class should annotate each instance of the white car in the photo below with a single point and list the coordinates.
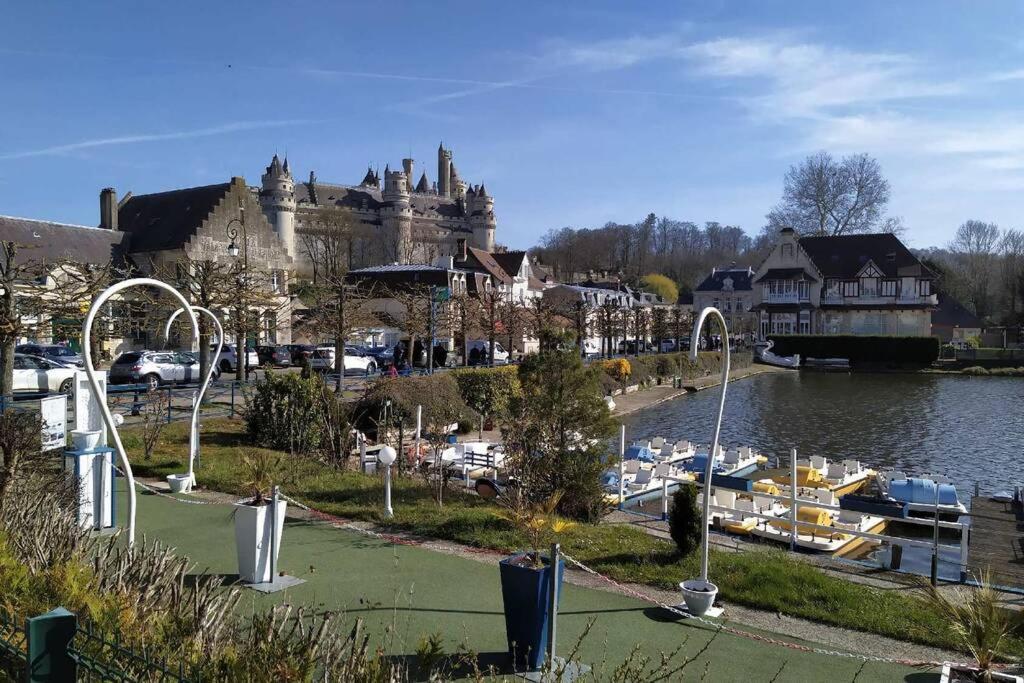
(479, 352)
(355, 363)
(226, 361)
(32, 373)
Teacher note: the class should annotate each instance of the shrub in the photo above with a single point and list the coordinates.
(488, 391)
(618, 368)
(684, 519)
(608, 383)
(860, 348)
(974, 342)
(665, 365)
(285, 412)
(640, 370)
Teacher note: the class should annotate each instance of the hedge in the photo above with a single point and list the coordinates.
(860, 349)
(488, 391)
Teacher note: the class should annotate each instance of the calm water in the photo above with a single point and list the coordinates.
(969, 428)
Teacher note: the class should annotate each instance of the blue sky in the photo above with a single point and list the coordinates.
(573, 114)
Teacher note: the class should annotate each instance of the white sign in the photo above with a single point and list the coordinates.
(54, 412)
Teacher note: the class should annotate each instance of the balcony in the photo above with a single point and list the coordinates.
(873, 299)
(783, 298)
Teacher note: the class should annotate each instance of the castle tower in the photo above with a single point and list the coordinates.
(481, 218)
(458, 185)
(277, 199)
(444, 171)
(396, 214)
(407, 167)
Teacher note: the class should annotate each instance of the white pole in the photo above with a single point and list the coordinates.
(708, 469)
(193, 451)
(90, 371)
(792, 499)
(664, 498)
(622, 465)
(388, 512)
(362, 453)
(419, 427)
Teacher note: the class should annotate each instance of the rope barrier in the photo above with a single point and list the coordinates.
(340, 522)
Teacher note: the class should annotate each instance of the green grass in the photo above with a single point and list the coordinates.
(769, 580)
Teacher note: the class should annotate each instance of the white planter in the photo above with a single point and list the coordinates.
(999, 677)
(179, 483)
(698, 595)
(84, 439)
(253, 540)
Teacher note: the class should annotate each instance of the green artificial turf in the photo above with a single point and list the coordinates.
(769, 580)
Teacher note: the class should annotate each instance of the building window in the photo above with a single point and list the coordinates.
(787, 251)
(805, 322)
(804, 290)
(924, 287)
(715, 303)
(764, 324)
(851, 288)
(889, 287)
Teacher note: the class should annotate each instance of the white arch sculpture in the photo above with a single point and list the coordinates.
(90, 372)
(193, 442)
(709, 466)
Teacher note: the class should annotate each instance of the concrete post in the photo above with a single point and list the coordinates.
(49, 641)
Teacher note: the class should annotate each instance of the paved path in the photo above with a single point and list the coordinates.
(442, 586)
(638, 400)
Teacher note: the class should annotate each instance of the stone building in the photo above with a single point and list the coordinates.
(730, 290)
(396, 221)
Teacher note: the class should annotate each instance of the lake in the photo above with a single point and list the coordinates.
(968, 428)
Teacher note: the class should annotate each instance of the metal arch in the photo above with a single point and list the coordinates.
(193, 441)
(710, 311)
(90, 372)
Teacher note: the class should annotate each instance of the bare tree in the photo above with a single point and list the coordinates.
(974, 246)
(513, 315)
(825, 196)
(22, 298)
(1011, 249)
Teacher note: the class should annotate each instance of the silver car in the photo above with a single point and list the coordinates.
(62, 355)
(155, 368)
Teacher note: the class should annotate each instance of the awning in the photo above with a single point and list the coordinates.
(786, 274)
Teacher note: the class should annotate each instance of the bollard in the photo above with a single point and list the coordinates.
(664, 499)
(49, 642)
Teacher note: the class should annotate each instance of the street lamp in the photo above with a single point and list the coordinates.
(241, 352)
(386, 456)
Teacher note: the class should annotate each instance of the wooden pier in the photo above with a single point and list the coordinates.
(997, 541)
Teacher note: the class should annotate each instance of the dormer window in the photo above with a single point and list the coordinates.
(727, 284)
(787, 251)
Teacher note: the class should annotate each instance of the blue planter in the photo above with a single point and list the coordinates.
(525, 591)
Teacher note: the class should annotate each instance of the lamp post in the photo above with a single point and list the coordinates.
(241, 352)
(700, 593)
(386, 456)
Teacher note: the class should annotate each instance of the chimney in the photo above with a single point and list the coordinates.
(108, 208)
(460, 250)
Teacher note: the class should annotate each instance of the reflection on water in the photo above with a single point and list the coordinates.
(969, 428)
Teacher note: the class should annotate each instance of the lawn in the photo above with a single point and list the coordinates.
(764, 580)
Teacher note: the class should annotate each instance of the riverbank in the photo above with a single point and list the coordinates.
(638, 400)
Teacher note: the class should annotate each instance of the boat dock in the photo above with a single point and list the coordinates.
(997, 541)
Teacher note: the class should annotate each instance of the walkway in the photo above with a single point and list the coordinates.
(997, 541)
(416, 591)
(638, 400)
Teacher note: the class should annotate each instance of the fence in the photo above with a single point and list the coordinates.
(54, 647)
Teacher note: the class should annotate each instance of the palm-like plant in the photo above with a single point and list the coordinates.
(535, 519)
(260, 471)
(978, 620)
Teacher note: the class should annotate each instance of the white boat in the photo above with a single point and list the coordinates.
(763, 353)
(641, 480)
(834, 540)
(734, 511)
(735, 461)
(839, 476)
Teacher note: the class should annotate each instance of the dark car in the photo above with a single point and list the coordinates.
(300, 352)
(278, 356)
(63, 355)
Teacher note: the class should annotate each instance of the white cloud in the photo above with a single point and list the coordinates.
(234, 127)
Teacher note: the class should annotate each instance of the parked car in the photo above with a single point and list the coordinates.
(479, 352)
(300, 352)
(591, 349)
(155, 368)
(278, 356)
(62, 355)
(226, 361)
(667, 345)
(323, 360)
(35, 373)
(631, 345)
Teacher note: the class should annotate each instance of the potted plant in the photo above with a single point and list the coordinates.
(255, 539)
(981, 624)
(526, 577)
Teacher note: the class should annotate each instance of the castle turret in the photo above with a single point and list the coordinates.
(277, 199)
(423, 186)
(396, 214)
(407, 167)
(480, 206)
(444, 171)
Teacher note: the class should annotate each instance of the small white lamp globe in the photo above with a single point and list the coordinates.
(386, 456)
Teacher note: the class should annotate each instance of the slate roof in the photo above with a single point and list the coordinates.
(510, 261)
(843, 256)
(741, 280)
(951, 313)
(485, 261)
(166, 220)
(46, 241)
(372, 199)
(786, 274)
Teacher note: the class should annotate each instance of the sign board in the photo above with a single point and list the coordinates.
(87, 406)
(54, 413)
(442, 294)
